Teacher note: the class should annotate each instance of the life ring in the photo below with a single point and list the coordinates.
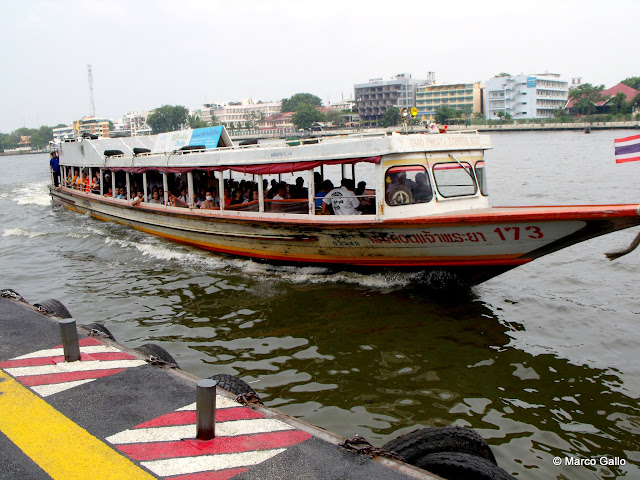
(400, 195)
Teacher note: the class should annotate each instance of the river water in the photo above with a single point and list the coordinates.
(542, 361)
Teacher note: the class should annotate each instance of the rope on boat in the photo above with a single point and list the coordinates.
(629, 249)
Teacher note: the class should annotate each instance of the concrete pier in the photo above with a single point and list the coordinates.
(115, 415)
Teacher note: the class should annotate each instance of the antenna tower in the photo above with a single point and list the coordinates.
(93, 105)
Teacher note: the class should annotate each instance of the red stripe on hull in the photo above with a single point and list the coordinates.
(189, 417)
(193, 448)
(35, 380)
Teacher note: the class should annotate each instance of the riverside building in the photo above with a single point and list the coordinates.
(461, 96)
(525, 96)
(375, 96)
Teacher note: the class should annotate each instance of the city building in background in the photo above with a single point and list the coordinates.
(132, 124)
(461, 96)
(248, 110)
(525, 96)
(373, 98)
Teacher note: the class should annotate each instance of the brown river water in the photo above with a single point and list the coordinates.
(542, 361)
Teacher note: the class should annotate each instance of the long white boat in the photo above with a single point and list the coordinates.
(426, 206)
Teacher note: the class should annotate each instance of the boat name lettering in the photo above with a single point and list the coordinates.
(428, 237)
(281, 154)
(442, 141)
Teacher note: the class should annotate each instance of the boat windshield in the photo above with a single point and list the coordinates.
(455, 179)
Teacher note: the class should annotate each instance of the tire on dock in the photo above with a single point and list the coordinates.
(153, 350)
(462, 466)
(11, 293)
(101, 329)
(53, 307)
(233, 384)
(413, 446)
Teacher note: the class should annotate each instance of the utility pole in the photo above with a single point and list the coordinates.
(93, 105)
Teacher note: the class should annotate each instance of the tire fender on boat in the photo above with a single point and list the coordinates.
(157, 355)
(233, 384)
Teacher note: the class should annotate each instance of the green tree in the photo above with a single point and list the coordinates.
(503, 74)
(291, 104)
(252, 118)
(168, 118)
(633, 82)
(195, 121)
(635, 102)
(391, 117)
(306, 115)
(618, 104)
(334, 117)
(585, 97)
(445, 113)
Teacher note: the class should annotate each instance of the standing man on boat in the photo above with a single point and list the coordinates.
(54, 165)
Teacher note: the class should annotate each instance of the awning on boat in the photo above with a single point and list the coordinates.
(260, 169)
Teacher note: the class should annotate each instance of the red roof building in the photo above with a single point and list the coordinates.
(611, 93)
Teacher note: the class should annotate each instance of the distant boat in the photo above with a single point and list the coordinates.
(587, 129)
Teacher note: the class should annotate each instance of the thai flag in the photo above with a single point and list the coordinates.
(627, 149)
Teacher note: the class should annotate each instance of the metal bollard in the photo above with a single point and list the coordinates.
(69, 335)
(206, 409)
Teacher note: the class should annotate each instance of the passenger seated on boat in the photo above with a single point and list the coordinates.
(343, 200)
(200, 197)
(161, 194)
(324, 188)
(398, 192)
(208, 203)
(282, 191)
(155, 198)
(120, 194)
(153, 189)
(237, 198)
(138, 200)
(366, 201)
(422, 192)
(273, 190)
(109, 192)
(299, 191)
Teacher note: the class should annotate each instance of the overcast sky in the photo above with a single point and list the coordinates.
(146, 54)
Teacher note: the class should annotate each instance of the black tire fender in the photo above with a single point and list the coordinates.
(151, 349)
(54, 307)
(462, 466)
(233, 384)
(100, 328)
(413, 446)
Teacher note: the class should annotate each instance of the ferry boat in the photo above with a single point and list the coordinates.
(425, 207)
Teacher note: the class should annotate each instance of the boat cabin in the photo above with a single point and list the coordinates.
(404, 175)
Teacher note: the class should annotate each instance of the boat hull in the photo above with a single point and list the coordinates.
(475, 247)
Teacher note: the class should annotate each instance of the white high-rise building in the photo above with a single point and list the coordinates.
(525, 96)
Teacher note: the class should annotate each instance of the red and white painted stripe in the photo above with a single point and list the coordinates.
(46, 372)
(167, 445)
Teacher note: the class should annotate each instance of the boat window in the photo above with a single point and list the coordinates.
(455, 179)
(482, 177)
(407, 184)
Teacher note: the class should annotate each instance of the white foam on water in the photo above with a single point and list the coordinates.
(21, 232)
(31, 194)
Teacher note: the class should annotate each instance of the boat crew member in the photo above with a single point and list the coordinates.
(54, 164)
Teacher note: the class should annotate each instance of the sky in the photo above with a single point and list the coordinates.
(149, 53)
